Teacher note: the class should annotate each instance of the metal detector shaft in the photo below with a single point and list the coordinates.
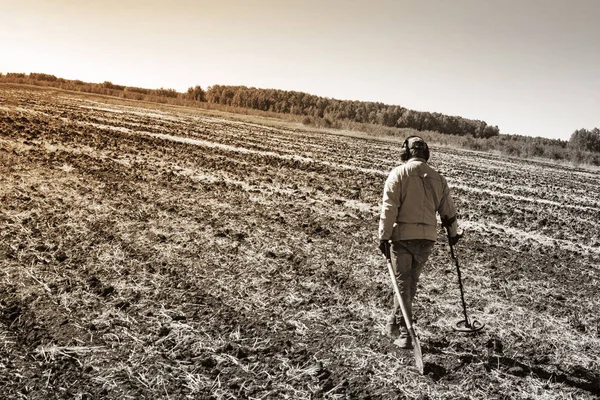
(462, 292)
(469, 326)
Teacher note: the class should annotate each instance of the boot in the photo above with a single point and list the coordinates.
(392, 329)
(404, 340)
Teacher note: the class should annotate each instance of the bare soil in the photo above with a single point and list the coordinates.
(152, 252)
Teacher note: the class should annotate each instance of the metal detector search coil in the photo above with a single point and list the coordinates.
(466, 326)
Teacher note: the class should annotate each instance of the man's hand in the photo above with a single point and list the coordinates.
(384, 246)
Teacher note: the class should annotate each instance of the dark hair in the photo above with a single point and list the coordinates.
(420, 150)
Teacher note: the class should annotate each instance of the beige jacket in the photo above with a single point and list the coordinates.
(412, 195)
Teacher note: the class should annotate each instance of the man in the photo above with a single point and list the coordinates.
(412, 195)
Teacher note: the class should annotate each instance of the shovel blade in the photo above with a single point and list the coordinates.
(417, 351)
(411, 330)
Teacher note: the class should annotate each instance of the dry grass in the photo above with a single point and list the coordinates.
(164, 253)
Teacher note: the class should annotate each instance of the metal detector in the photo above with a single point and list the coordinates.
(465, 325)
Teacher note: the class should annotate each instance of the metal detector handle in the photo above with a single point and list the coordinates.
(447, 224)
(450, 243)
(447, 227)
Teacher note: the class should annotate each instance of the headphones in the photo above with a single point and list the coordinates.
(405, 154)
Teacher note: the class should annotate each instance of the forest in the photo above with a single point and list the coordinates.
(298, 103)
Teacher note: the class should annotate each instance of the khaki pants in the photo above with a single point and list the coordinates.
(408, 259)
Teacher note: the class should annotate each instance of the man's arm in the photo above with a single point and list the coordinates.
(447, 211)
(390, 206)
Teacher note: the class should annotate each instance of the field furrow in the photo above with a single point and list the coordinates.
(158, 252)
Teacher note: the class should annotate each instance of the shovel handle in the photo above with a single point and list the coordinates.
(409, 327)
(398, 295)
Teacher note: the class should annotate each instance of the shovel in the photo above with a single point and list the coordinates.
(409, 327)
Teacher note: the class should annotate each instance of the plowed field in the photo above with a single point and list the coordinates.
(154, 252)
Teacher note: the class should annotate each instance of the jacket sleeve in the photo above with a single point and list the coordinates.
(446, 208)
(390, 206)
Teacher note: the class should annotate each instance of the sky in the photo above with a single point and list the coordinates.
(531, 67)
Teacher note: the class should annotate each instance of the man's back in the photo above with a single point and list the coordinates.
(413, 193)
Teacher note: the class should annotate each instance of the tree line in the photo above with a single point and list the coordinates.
(318, 110)
(105, 88)
(371, 117)
(316, 107)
